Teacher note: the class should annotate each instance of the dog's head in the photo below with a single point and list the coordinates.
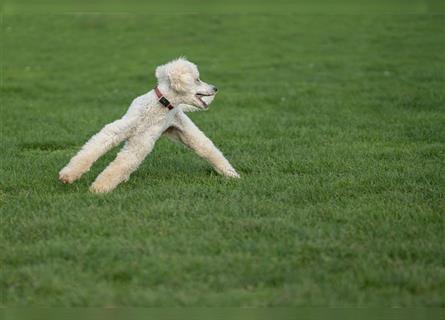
(181, 80)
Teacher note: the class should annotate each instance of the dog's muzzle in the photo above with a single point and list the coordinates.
(200, 97)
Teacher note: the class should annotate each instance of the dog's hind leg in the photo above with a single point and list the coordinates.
(107, 138)
(189, 134)
(127, 160)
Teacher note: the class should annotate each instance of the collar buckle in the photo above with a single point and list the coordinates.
(163, 100)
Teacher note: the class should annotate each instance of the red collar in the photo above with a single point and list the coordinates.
(163, 100)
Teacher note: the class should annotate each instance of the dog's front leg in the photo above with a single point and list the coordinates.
(110, 136)
(188, 133)
(127, 160)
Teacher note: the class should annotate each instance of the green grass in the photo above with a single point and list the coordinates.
(335, 122)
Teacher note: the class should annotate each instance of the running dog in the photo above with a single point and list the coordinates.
(159, 112)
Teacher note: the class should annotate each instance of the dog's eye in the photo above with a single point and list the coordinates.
(198, 80)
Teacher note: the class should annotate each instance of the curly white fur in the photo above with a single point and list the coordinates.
(145, 121)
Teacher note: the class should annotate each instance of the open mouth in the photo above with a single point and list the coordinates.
(201, 97)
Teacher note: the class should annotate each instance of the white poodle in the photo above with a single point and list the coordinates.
(158, 112)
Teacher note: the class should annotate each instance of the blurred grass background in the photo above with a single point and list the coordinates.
(228, 6)
(333, 114)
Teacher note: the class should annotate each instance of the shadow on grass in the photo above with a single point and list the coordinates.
(46, 146)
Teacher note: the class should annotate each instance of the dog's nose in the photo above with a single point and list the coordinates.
(215, 89)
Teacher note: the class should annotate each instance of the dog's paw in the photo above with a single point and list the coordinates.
(99, 187)
(231, 173)
(66, 176)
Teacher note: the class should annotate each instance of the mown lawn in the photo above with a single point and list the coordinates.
(335, 122)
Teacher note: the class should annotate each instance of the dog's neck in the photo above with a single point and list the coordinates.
(162, 99)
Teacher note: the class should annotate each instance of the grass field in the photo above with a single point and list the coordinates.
(335, 122)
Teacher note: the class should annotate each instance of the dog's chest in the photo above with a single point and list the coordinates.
(155, 116)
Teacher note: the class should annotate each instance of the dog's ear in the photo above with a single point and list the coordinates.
(176, 72)
(178, 76)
